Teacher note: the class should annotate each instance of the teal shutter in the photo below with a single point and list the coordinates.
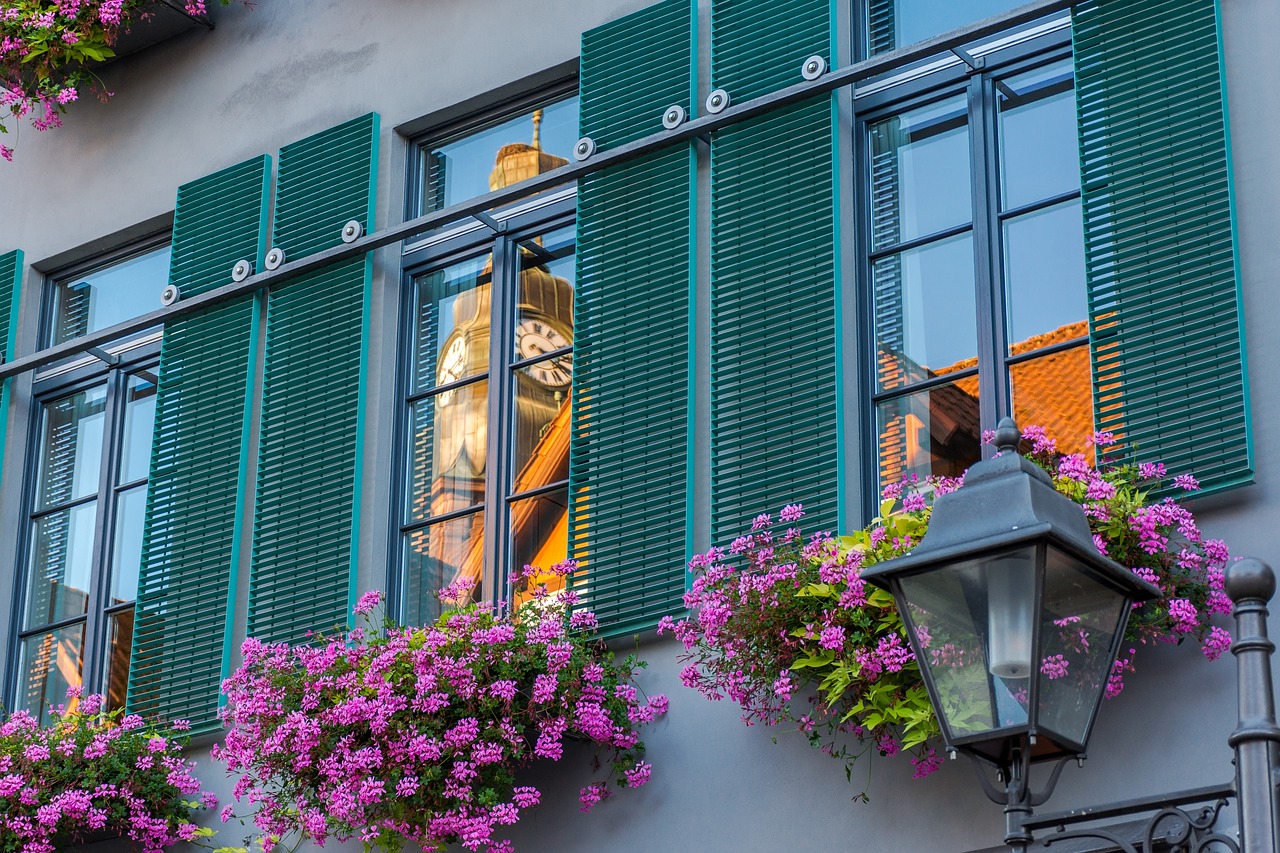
(629, 451)
(307, 504)
(199, 455)
(774, 283)
(11, 264)
(1166, 330)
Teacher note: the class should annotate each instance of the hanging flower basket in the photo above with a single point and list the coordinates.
(89, 775)
(785, 626)
(49, 50)
(416, 734)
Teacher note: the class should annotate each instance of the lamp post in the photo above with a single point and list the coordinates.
(1015, 619)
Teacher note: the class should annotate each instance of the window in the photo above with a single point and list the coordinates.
(975, 258)
(490, 364)
(91, 457)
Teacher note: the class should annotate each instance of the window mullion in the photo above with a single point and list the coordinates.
(986, 257)
(505, 283)
(100, 570)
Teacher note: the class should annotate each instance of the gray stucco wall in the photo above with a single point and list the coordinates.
(267, 77)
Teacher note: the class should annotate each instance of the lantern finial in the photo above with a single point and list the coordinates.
(1007, 436)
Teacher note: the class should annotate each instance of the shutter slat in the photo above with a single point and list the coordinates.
(1166, 328)
(629, 447)
(307, 504)
(198, 456)
(774, 394)
(11, 265)
(632, 69)
(758, 46)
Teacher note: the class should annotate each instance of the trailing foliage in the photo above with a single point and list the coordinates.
(88, 773)
(415, 734)
(48, 49)
(785, 626)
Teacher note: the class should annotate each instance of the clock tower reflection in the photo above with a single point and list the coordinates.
(454, 452)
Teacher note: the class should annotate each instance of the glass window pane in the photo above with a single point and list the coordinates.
(925, 312)
(544, 315)
(451, 329)
(61, 562)
(1044, 277)
(930, 432)
(437, 556)
(1053, 391)
(540, 536)
(108, 296)
(139, 423)
(513, 151)
(119, 644)
(897, 23)
(131, 509)
(71, 447)
(920, 173)
(51, 662)
(447, 451)
(1039, 151)
(540, 431)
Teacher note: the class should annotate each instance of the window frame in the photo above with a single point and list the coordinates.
(111, 368)
(1051, 43)
(517, 224)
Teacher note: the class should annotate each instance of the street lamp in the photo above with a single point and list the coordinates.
(1015, 619)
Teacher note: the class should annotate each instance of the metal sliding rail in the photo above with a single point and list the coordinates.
(699, 128)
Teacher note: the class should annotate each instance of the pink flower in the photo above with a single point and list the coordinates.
(1186, 482)
(1217, 642)
(591, 795)
(1054, 666)
(927, 764)
(368, 602)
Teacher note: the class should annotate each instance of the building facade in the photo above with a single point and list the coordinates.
(636, 340)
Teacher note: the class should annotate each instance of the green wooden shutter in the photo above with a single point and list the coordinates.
(307, 505)
(629, 469)
(1166, 330)
(774, 282)
(199, 458)
(11, 265)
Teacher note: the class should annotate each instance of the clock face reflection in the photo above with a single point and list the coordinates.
(538, 337)
(453, 366)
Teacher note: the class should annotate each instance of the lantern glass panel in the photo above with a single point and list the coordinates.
(1078, 629)
(974, 622)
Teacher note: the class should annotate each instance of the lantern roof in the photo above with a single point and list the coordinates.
(1006, 501)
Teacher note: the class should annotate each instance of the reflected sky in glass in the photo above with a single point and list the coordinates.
(100, 299)
(920, 173)
(1039, 152)
(1044, 271)
(897, 23)
(458, 170)
(926, 307)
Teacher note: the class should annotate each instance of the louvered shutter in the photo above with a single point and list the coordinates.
(195, 498)
(630, 467)
(1166, 330)
(10, 289)
(774, 406)
(307, 501)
